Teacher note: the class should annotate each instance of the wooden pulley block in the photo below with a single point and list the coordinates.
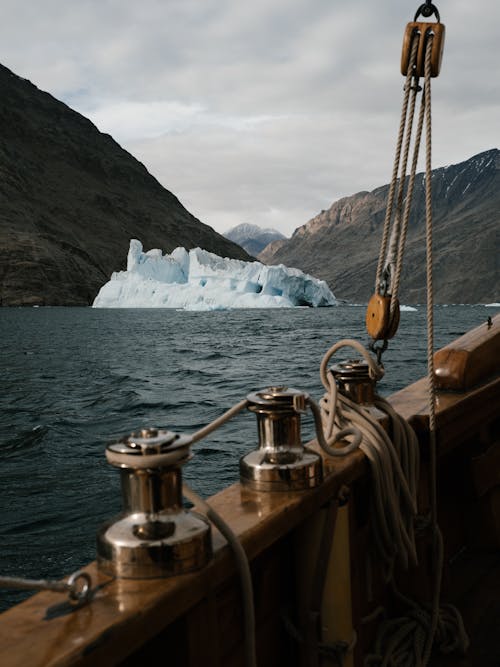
(416, 28)
(379, 323)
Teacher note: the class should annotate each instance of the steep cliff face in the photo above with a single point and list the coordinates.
(341, 245)
(70, 201)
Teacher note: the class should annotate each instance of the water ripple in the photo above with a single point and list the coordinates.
(75, 379)
(23, 441)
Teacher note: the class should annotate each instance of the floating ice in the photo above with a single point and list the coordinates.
(200, 280)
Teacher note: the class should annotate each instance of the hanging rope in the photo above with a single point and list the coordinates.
(382, 316)
(382, 286)
(436, 535)
(408, 641)
(243, 568)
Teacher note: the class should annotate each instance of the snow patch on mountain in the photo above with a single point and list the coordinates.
(253, 238)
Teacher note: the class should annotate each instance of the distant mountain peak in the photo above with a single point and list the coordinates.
(251, 231)
(252, 237)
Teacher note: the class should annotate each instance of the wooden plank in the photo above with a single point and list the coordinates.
(458, 416)
(486, 469)
(126, 613)
(471, 359)
(172, 643)
(203, 633)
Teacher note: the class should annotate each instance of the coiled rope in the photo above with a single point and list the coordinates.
(394, 462)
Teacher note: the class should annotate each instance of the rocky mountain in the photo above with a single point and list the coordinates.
(70, 201)
(252, 237)
(341, 245)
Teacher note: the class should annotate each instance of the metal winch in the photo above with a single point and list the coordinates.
(154, 536)
(281, 463)
(354, 380)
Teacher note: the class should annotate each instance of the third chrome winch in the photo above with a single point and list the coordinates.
(354, 380)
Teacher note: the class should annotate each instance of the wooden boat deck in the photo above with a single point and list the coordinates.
(196, 619)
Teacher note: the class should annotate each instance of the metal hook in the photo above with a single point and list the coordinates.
(378, 351)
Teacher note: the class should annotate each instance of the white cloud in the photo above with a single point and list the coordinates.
(256, 111)
(280, 171)
(129, 120)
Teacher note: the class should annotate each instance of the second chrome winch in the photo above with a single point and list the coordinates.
(281, 463)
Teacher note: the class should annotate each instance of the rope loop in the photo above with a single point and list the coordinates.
(376, 372)
(394, 461)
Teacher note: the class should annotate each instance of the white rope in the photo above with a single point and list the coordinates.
(394, 179)
(403, 642)
(396, 241)
(243, 570)
(394, 462)
(436, 535)
(216, 423)
(233, 541)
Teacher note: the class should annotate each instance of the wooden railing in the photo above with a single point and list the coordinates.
(196, 619)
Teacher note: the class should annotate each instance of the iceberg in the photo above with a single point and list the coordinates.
(200, 280)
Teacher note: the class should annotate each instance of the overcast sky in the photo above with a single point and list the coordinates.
(258, 111)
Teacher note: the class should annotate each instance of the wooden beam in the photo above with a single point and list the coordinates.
(471, 359)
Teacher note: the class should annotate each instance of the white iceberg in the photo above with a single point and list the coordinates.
(200, 280)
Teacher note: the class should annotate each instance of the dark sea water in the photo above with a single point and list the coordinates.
(72, 379)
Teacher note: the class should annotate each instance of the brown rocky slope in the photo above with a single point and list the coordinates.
(341, 245)
(70, 201)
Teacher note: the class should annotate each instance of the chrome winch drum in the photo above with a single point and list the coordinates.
(154, 536)
(354, 380)
(281, 463)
